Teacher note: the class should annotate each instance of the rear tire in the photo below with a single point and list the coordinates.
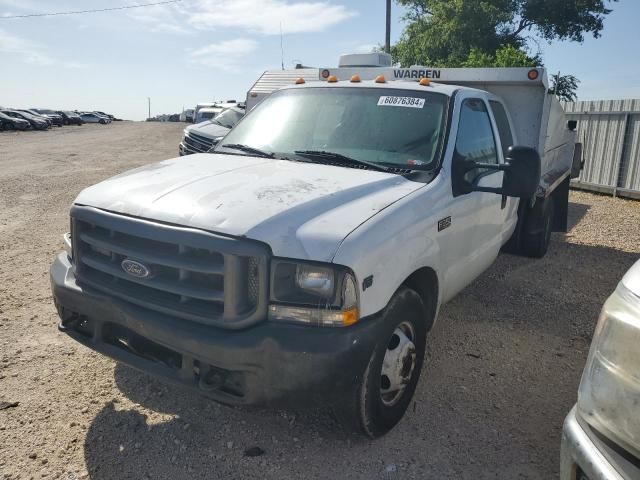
(537, 229)
(382, 396)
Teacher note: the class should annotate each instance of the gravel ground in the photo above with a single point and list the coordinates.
(502, 371)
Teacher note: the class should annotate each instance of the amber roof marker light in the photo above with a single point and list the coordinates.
(332, 79)
(355, 79)
(533, 74)
(380, 79)
(425, 82)
(300, 81)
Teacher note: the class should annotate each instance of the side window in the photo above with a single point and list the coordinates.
(475, 140)
(504, 130)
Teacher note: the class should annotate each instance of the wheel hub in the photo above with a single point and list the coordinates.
(398, 365)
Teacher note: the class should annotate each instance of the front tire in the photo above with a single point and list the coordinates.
(385, 391)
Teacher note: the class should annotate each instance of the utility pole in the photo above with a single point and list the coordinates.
(281, 48)
(149, 102)
(387, 38)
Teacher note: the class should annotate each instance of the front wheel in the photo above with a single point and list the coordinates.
(385, 391)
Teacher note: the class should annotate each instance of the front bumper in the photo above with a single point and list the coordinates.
(268, 364)
(584, 451)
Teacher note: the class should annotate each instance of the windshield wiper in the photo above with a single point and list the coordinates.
(248, 149)
(340, 158)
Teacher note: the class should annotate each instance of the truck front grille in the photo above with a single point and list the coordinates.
(198, 143)
(179, 271)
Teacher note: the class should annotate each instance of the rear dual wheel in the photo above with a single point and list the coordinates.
(385, 391)
(537, 229)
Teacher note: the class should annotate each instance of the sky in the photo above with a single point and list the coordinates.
(201, 50)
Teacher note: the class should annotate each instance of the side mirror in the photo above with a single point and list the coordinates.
(521, 174)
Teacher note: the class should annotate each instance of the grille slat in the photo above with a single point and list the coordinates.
(172, 287)
(198, 142)
(192, 274)
(183, 261)
(138, 296)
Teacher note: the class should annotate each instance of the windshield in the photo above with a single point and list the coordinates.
(228, 118)
(391, 127)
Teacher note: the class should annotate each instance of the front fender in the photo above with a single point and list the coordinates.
(384, 251)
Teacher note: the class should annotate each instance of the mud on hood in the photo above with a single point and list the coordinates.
(301, 210)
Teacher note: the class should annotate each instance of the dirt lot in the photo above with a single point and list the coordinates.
(502, 371)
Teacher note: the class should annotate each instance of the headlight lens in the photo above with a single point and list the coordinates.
(315, 280)
(313, 294)
(609, 394)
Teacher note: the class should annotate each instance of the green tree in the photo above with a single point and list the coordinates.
(564, 87)
(505, 56)
(443, 33)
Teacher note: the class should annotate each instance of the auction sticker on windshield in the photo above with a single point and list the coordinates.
(411, 102)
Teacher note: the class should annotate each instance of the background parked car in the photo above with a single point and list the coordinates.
(93, 118)
(203, 136)
(38, 123)
(49, 119)
(11, 123)
(102, 115)
(207, 113)
(56, 119)
(109, 116)
(35, 114)
(70, 118)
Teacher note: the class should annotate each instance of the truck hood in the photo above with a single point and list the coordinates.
(301, 210)
(208, 129)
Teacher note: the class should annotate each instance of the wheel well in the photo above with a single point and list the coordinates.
(425, 283)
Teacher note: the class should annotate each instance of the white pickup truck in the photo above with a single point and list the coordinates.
(305, 261)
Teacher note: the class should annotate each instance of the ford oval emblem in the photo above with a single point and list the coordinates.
(135, 269)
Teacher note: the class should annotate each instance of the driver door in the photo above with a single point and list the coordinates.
(477, 217)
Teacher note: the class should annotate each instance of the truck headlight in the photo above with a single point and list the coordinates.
(609, 394)
(313, 294)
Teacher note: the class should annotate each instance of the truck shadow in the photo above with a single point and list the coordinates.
(576, 213)
(503, 367)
